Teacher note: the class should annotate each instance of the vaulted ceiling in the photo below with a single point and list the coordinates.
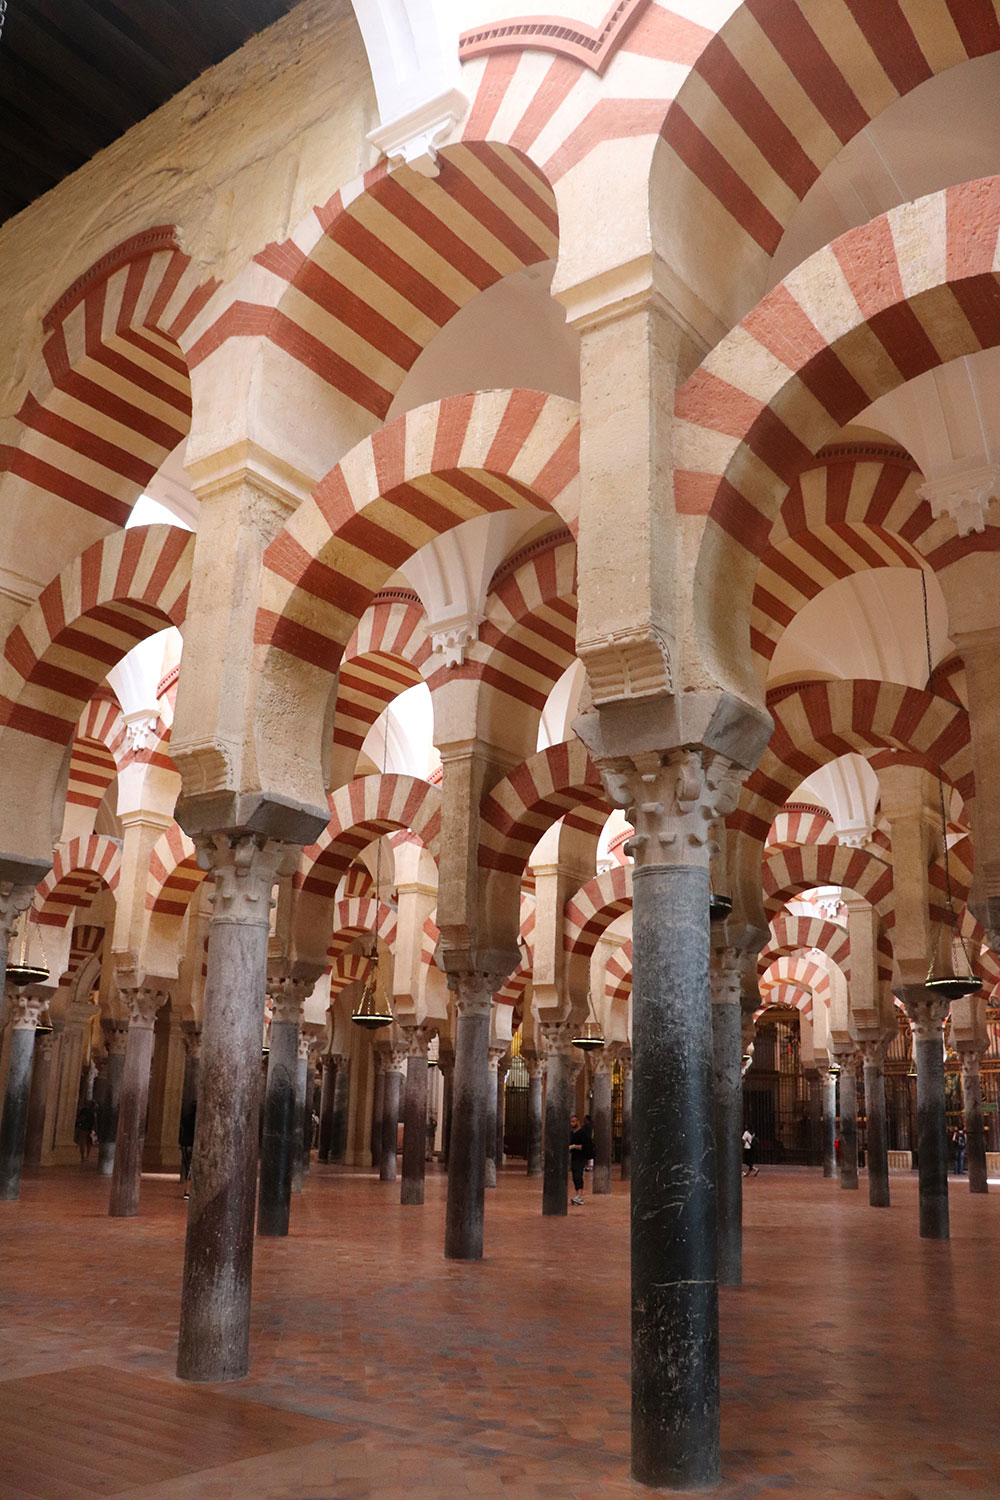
(77, 74)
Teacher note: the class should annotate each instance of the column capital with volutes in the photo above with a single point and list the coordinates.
(245, 867)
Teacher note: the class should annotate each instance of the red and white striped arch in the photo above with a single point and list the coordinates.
(174, 875)
(558, 783)
(382, 659)
(113, 397)
(594, 907)
(94, 761)
(618, 976)
(79, 869)
(115, 594)
(366, 809)
(355, 916)
(85, 944)
(349, 968)
(789, 934)
(370, 277)
(788, 872)
(800, 823)
(776, 94)
(911, 290)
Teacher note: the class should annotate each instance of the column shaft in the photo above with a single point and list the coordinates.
(411, 1189)
(829, 1122)
(975, 1135)
(932, 1139)
(601, 1119)
(727, 1055)
(675, 1311)
(490, 1129)
(277, 1147)
(878, 1134)
(298, 1121)
(627, 1125)
(107, 1119)
(126, 1181)
(326, 1110)
(38, 1098)
(535, 1161)
(849, 1123)
(341, 1102)
(390, 1122)
(14, 1121)
(558, 1109)
(378, 1109)
(463, 1238)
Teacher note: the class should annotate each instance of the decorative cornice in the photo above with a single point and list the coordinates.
(547, 543)
(148, 242)
(593, 47)
(889, 453)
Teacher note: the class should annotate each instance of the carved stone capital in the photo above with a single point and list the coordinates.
(725, 977)
(496, 1055)
(601, 1061)
(557, 1038)
(474, 992)
(14, 899)
(926, 1012)
(306, 1046)
(872, 1051)
(395, 1059)
(672, 801)
(417, 1039)
(115, 1037)
(340, 1060)
(192, 1044)
(244, 867)
(534, 1065)
(44, 1045)
(142, 1004)
(288, 998)
(969, 1055)
(25, 1011)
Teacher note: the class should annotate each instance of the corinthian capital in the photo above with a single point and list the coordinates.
(672, 800)
(245, 867)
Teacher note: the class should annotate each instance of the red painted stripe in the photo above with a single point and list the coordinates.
(712, 169)
(554, 89)
(539, 202)
(891, 38)
(789, 32)
(296, 640)
(435, 231)
(84, 442)
(518, 421)
(736, 90)
(45, 476)
(360, 242)
(977, 24)
(354, 313)
(500, 69)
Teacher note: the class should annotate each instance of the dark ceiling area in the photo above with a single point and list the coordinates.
(77, 74)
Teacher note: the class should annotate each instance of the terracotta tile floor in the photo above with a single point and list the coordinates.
(858, 1361)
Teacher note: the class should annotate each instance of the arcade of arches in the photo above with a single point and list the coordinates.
(471, 505)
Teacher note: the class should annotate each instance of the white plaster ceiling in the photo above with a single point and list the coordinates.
(848, 788)
(135, 678)
(452, 573)
(868, 625)
(408, 725)
(945, 131)
(561, 707)
(513, 334)
(170, 489)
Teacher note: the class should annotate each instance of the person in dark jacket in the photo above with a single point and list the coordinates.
(185, 1139)
(579, 1147)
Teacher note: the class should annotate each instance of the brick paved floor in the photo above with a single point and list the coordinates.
(858, 1361)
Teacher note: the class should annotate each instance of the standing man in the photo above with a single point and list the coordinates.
(578, 1148)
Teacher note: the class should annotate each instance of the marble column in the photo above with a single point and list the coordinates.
(214, 1342)
(927, 1013)
(378, 1106)
(126, 1182)
(828, 1083)
(627, 1118)
(675, 1303)
(503, 1067)
(975, 1133)
(115, 1039)
(326, 1109)
(848, 1086)
(559, 1106)
(601, 1064)
(877, 1155)
(189, 1093)
(411, 1188)
(447, 1066)
(536, 1072)
(278, 1141)
(815, 1117)
(341, 1104)
(38, 1098)
(463, 1235)
(303, 1107)
(490, 1124)
(24, 1013)
(727, 1078)
(395, 1063)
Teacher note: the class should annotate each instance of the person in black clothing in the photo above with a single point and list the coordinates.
(185, 1139)
(83, 1131)
(579, 1146)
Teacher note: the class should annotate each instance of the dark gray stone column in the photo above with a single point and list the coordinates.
(815, 1117)
(975, 1133)
(536, 1070)
(927, 1013)
(378, 1105)
(326, 1109)
(115, 1039)
(391, 1096)
(557, 1042)
(143, 1001)
(502, 1069)
(490, 1123)
(447, 1066)
(828, 1082)
(300, 1156)
(848, 1086)
(627, 1118)
(601, 1064)
(675, 1314)
(873, 1053)
(278, 1142)
(411, 1188)
(38, 1097)
(25, 1011)
(341, 1104)
(727, 1078)
(214, 1340)
(463, 1236)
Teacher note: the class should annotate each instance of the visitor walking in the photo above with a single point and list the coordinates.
(578, 1148)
